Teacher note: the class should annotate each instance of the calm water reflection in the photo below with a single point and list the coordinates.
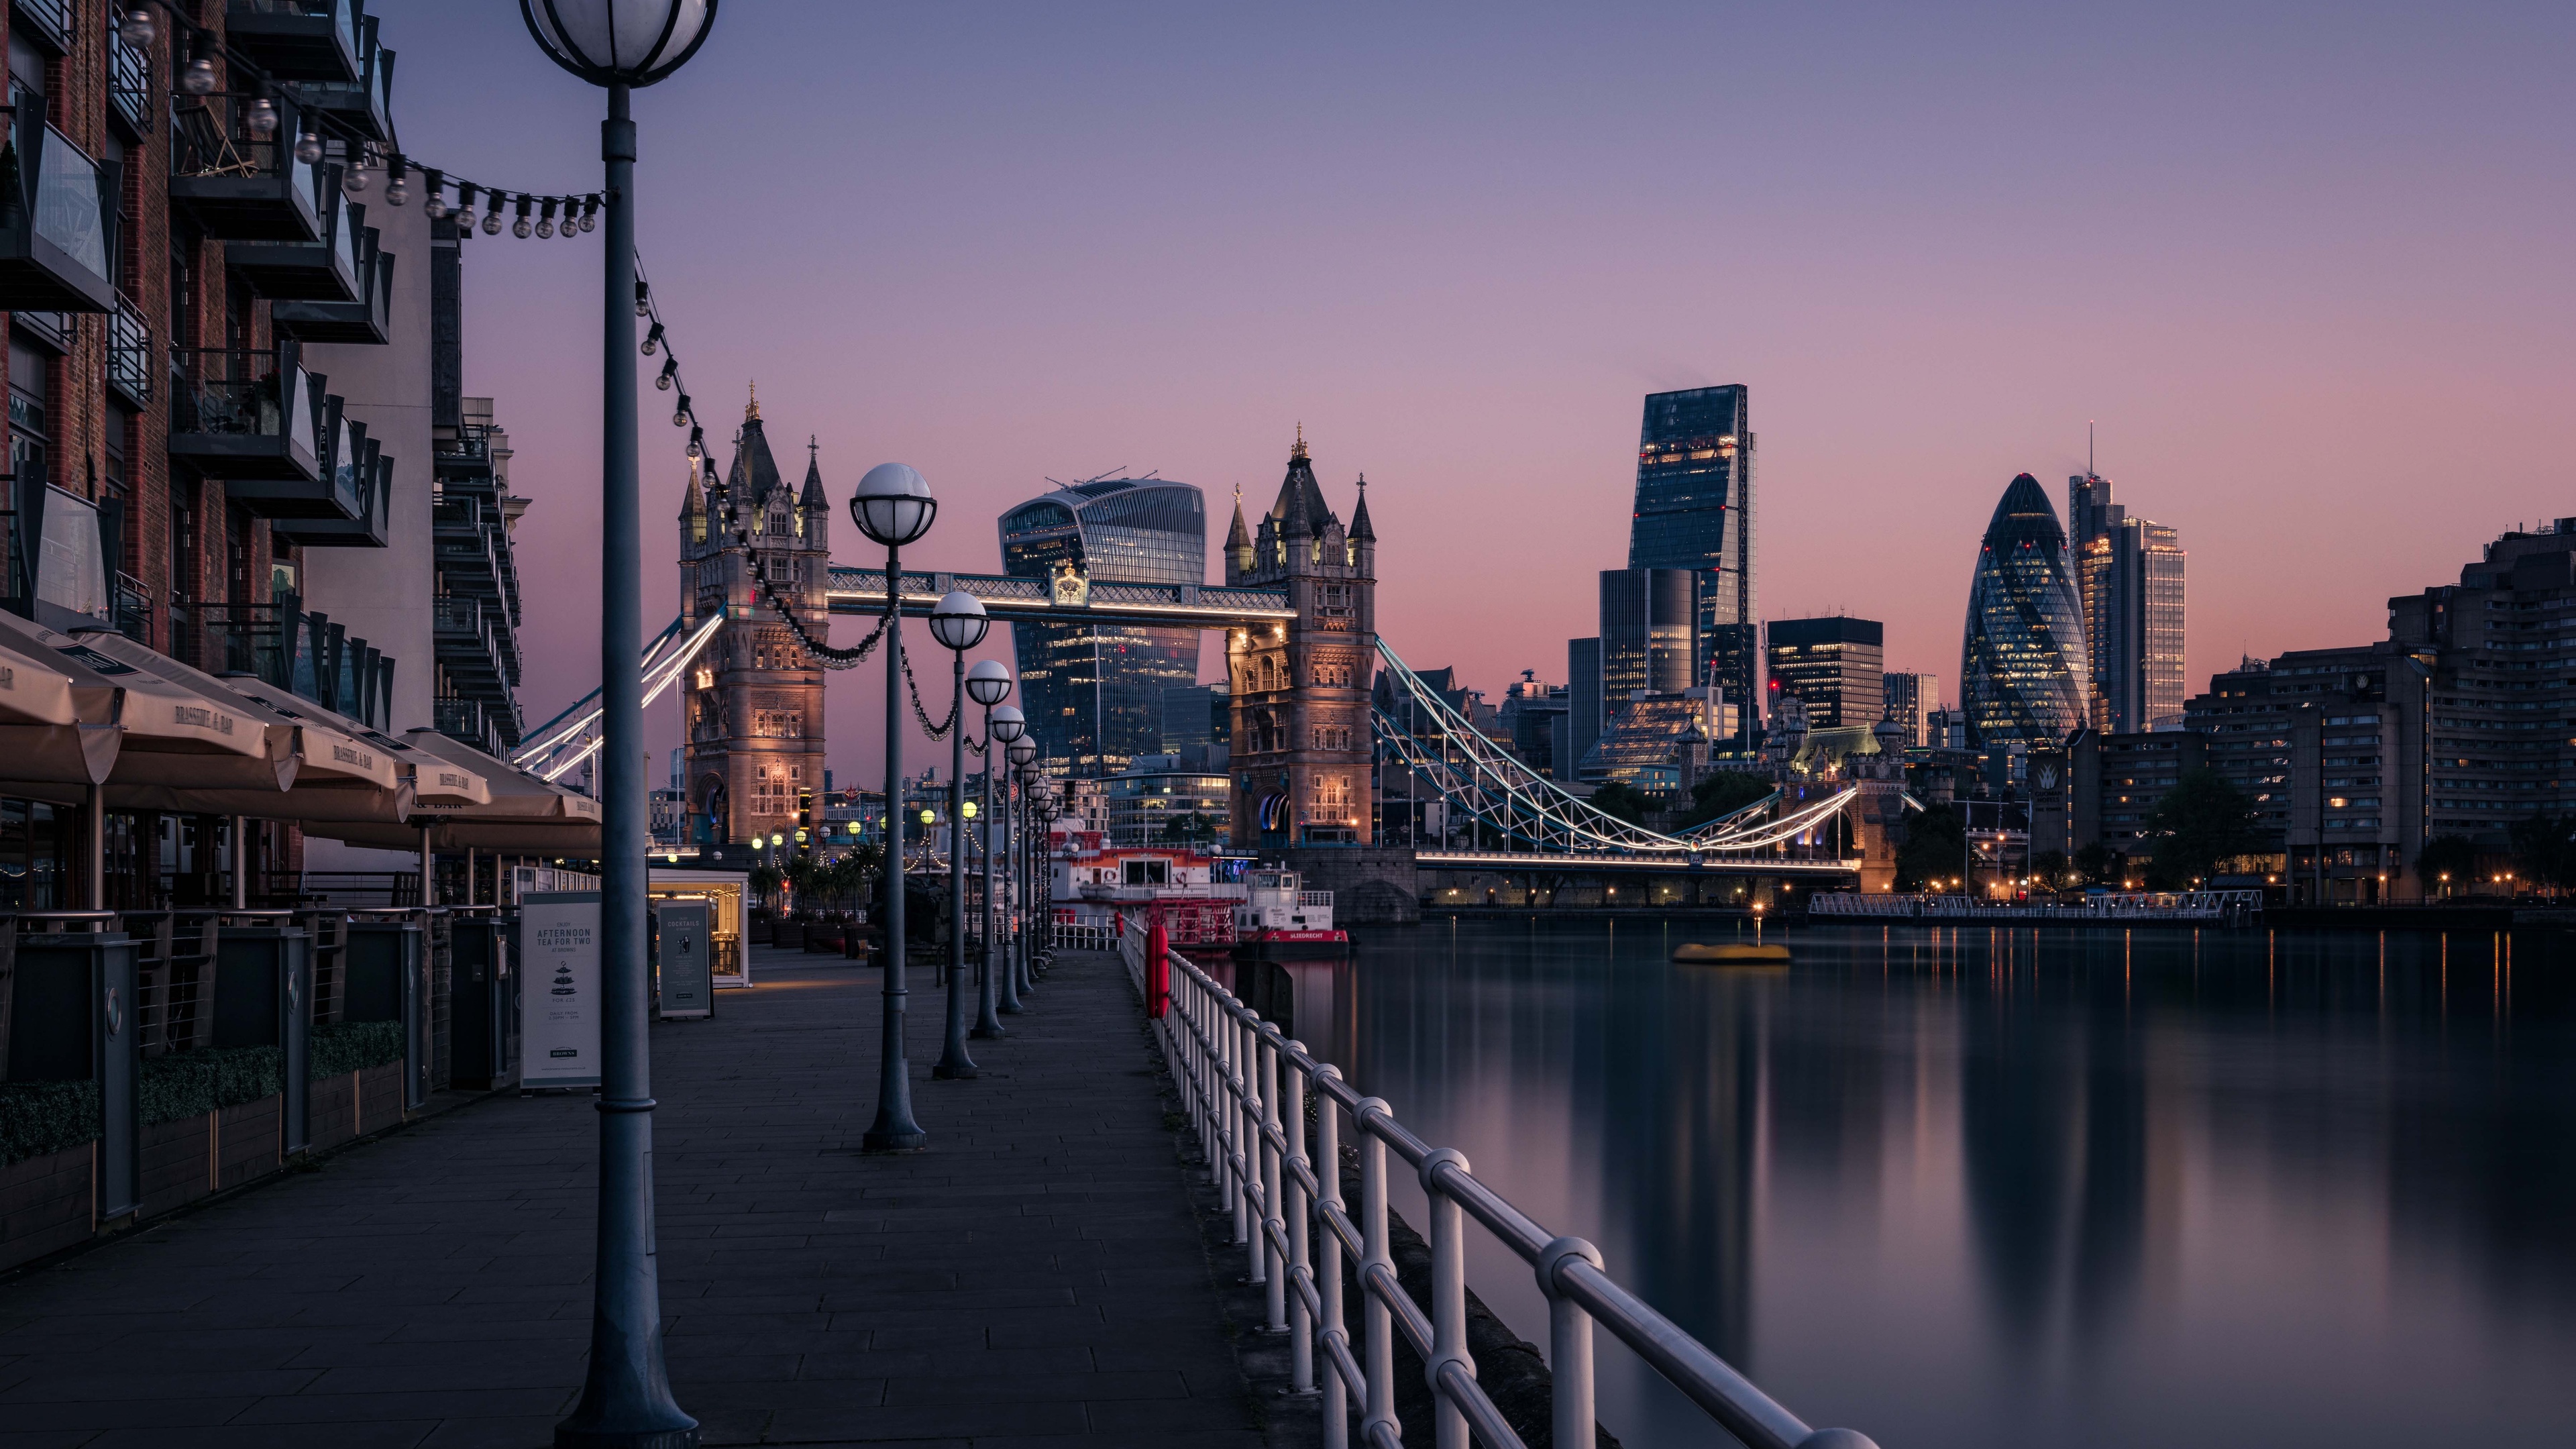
(2026, 1187)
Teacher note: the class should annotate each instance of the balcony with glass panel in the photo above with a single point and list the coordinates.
(235, 185)
(240, 413)
(372, 482)
(320, 271)
(337, 491)
(365, 104)
(296, 40)
(367, 321)
(57, 224)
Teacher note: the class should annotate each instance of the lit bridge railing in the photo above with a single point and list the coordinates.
(2104, 910)
(1246, 1087)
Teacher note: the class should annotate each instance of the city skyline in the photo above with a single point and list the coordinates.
(2229, 285)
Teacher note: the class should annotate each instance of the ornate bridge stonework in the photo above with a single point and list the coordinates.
(1302, 750)
(753, 704)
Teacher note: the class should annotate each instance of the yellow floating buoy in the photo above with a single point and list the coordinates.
(1731, 954)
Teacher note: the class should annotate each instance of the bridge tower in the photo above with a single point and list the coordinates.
(1301, 690)
(755, 698)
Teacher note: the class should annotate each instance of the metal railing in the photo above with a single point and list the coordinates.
(129, 352)
(129, 80)
(1245, 1087)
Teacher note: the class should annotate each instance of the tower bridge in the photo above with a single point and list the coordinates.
(1315, 737)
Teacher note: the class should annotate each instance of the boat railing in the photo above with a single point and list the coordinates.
(1281, 1174)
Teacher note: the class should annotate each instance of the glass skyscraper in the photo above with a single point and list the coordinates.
(1694, 510)
(2129, 578)
(2023, 678)
(1094, 693)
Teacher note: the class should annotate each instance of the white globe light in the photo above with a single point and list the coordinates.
(619, 42)
(1009, 724)
(959, 621)
(988, 682)
(892, 505)
(1022, 751)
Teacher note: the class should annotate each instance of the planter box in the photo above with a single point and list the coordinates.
(44, 1204)
(247, 1142)
(335, 1110)
(178, 1163)
(380, 1098)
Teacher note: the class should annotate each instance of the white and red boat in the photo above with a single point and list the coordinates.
(1278, 919)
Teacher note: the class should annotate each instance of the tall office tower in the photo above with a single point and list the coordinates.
(2023, 677)
(1585, 706)
(1837, 666)
(1197, 714)
(1094, 692)
(1647, 626)
(1694, 510)
(1910, 701)
(2129, 581)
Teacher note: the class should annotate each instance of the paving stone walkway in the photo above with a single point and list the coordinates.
(1038, 1278)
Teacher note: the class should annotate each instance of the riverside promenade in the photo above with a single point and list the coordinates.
(1038, 1278)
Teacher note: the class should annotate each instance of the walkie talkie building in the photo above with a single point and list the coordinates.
(2022, 673)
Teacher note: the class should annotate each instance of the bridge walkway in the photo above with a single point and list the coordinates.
(1038, 1278)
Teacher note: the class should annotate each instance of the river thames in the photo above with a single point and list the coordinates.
(2023, 1187)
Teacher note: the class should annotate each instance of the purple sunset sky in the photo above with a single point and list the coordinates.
(2306, 266)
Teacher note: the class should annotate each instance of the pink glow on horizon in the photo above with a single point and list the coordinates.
(2305, 268)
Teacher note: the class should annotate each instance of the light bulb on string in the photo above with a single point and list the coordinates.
(308, 148)
(653, 340)
(199, 78)
(521, 227)
(261, 120)
(546, 223)
(589, 213)
(398, 186)
(492, 218)
(643, 303)
(670, 372)
(353, 177)
(137, 29)
(680, 414)
(433, 205)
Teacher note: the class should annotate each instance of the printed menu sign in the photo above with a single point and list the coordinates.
(559, 988)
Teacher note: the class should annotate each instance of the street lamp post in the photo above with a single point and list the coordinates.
(1023, 752)
(958, 623)
(893, 507)
(1041, 861)
(626, 1394)
(1002, 725)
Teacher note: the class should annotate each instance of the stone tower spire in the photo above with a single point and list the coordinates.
(1238, 542)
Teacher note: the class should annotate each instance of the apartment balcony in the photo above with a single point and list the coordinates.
(297, 40)
(365, 103)
(245, 414)
(48, 23)
(57, 225)
(369, 529)
(367, 321)
(343, 477)
(133, 604)
(237, 187)
(463, 547)
(129, 86)
(468, 651)
(129, 354)
(320, 271)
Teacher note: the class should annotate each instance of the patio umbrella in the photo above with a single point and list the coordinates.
(54, 732)
(166, 730)
(326, 774)
(523, 816)
(436, 783)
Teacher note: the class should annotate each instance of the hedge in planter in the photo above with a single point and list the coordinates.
(351, 1046)
(37, 1118)
(190, 1084)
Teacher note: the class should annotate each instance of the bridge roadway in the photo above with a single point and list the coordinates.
(1011, 600)
(1586, 862)
(1038, 1277)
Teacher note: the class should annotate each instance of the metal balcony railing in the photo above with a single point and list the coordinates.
(243, 393)
(133, 609)
(129, 353)
(1245, 1086)
(221, 637)
(129, 82)
(58, 231)
(48, 22)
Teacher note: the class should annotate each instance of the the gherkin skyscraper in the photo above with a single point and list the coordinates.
(2021, 667)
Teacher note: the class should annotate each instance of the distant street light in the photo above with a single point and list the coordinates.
(893, 507)
(1022, 753)
(626, 1398)
(988, 684)
(959, 624)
